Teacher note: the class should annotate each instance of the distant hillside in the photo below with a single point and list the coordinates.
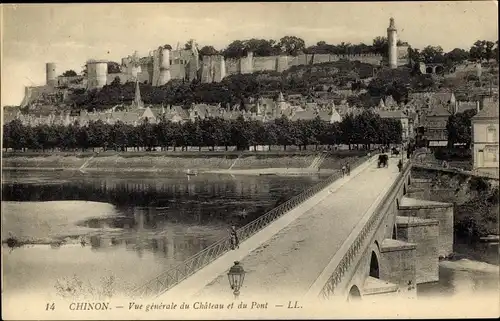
(310, 81)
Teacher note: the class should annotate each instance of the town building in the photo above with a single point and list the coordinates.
(485, 138)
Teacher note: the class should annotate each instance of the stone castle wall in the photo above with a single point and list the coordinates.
(250, 64)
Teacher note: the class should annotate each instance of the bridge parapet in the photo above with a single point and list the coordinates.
(351, 253)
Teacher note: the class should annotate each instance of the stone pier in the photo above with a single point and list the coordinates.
(424, 233)
(398, 263)
(441, 212)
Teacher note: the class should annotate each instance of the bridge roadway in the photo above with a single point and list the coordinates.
(290, 262)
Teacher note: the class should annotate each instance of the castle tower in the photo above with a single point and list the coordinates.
(165, 75)
(50, 74)
(194, 63)
(392, 37)
(97, 73)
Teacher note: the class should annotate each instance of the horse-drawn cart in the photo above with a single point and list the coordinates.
(383, 160)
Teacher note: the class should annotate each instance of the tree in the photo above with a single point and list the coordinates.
(482, 50)
(117, 81)
(189, 45)
(495, 51)
(284, 131)
(235, 49)
(69, 73)
(119, 135)
(291, 45)
(113, 67)
(433, 54)
(457, 55)
(208, 51)
(167, 46)
(380, 45)
(459, 127)
(262, 47)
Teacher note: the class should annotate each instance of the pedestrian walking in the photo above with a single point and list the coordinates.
(343, 170)
(400, 165)
(348, 169)
(235, 243)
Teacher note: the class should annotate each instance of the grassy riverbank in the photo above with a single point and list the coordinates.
(182, 161)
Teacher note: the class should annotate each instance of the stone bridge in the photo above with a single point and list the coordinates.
(366, 235)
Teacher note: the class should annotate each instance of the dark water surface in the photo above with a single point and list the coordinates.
(133, 226)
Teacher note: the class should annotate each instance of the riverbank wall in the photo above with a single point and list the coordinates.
(162, 161)
(475, 199)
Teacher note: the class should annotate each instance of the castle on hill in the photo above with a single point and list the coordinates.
(164, 64)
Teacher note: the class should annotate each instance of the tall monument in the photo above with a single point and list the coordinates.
(392, 39)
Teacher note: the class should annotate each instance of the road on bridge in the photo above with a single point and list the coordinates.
(290, 261)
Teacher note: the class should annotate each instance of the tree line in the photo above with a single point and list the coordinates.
(366, 128)
(481, 50)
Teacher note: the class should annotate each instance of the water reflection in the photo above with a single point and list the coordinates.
(142, 191)
(122, 222)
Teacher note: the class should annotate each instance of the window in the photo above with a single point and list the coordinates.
(491, 153)
(491, 134)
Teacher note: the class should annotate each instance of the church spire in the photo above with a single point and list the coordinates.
(137, 100)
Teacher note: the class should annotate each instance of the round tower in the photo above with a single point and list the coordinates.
(50, 74)
(392, 39)
(164, 66)
(97, 73)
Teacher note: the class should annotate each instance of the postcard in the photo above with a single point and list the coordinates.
(250, 160)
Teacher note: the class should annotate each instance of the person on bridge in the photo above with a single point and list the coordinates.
(348, 168)
(343, 170)
(235, 243)
(400, 165)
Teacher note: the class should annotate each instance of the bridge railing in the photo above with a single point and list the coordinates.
(352, 255)
(175, 275)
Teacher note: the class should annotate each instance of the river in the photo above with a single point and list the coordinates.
(116, 231)
(134, 226)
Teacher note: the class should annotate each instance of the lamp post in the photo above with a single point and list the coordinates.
(236, 276)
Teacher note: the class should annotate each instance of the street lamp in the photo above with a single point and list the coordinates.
(236, 276)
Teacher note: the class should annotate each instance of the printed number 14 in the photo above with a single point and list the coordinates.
(50, 306)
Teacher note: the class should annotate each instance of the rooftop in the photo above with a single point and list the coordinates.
(490, 110)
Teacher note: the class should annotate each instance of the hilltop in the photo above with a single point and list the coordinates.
(359, 83)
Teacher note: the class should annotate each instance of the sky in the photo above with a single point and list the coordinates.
(70, 34)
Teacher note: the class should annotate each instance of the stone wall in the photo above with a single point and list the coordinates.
(398, 263)
(123, 78)
(441, 212)
(232, 66)
(424, 233)
(213, 69)
(264, 63)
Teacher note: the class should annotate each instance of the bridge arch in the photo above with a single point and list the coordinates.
(404, 189)
(429, 70)
(394, 232)
(354, 294)
(438, 69)
(374, 266)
